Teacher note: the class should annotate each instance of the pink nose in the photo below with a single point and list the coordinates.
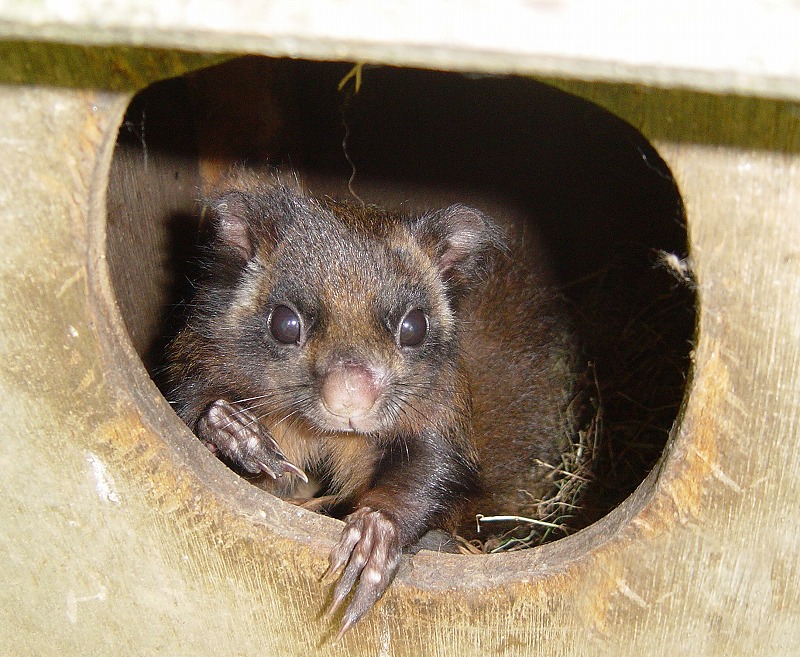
(349, 390)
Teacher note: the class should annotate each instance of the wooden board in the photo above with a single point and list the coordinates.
(749, 48)
(117, 539)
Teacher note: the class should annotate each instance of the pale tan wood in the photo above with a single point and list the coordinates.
(151, 171)
(747, 46)
(119, 535)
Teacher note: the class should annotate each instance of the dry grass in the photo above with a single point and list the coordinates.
(558, 513)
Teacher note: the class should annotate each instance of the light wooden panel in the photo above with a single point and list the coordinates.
(115, 539)
(746, 46)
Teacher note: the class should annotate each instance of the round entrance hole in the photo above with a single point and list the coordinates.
(603, 201)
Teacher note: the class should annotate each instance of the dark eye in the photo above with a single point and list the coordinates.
(284, 324)
(413, 328)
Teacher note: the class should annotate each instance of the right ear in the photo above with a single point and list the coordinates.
(464, 241)
(232, 221)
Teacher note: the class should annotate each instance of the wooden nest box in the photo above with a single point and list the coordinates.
(120, 534)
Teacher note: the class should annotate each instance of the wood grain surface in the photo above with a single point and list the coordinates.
(121, 536)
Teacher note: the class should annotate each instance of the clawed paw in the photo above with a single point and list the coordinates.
(235, 433)
(367, 556)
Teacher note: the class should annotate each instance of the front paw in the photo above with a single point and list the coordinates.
(233, 432)
(369, 553)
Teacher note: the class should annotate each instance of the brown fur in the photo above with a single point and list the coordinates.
(461, 423)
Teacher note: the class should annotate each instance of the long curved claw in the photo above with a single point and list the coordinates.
(291, 468)
(367, 556)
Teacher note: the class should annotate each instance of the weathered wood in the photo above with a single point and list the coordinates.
(151, 171)
(119, 534)
(751, 48)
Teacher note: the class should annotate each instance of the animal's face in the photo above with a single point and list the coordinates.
(341, 316)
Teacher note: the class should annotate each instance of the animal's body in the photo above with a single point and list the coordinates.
(411, 370)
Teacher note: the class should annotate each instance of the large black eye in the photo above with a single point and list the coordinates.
(284, 324)
(413, 328)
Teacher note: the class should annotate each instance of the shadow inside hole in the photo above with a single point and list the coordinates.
(603, 200)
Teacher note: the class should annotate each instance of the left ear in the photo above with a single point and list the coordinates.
(464, 240)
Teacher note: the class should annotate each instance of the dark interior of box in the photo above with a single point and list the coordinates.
(602, 198)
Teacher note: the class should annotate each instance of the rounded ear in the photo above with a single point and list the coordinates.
(232, 219)
(245, 218)
(464, 240)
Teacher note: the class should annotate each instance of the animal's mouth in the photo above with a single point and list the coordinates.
(359, 423)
